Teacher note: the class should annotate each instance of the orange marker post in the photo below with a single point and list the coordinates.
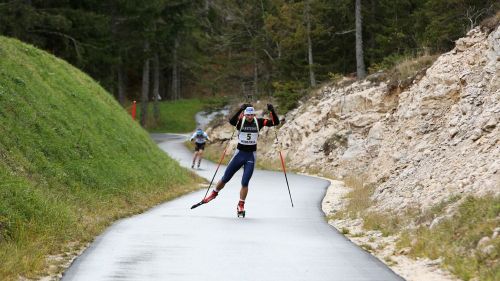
(134, 105)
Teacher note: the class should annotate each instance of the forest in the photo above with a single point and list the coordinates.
(170, 49)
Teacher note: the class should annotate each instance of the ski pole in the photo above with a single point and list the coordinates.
(220, 161)
(281, 157)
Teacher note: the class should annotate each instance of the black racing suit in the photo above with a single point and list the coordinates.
(245, 155)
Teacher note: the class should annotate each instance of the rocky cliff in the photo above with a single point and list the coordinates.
(416, 145)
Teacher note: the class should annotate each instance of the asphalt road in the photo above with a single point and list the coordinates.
(273, 242)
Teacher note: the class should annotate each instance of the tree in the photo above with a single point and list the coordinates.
(213, 47)
(145, 85)
(360, 62)
(175, 72)
(439, 24)
(156, 87)
(309, 44)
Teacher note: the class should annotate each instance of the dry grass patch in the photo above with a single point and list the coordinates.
(359, 198)
(456, 239)
(409, 66)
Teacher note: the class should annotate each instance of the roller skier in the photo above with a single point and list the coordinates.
(200, 138)
(245, 154)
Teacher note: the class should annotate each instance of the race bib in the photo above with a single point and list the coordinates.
(248, 138)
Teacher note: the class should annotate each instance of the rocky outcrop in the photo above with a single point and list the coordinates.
(443, 138)
(419, 145)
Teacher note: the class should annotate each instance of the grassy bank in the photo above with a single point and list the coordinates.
(71, 160)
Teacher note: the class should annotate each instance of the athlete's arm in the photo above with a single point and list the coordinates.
(264, 122)
(276, 120)
(234, 120)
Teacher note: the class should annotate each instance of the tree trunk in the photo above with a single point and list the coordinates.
(175, 74)
(309, 45)
(121, 84)
(120, 73)
(360, 62)
(145, 85)
(179, 78)
(164, 85)
(156, 87)
(255, 76)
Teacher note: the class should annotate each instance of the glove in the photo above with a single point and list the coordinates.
(270, 107)
(245, 105)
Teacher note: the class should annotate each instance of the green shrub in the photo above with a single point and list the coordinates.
(288, 94)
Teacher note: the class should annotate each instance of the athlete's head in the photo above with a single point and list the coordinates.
(199, 131)
(249, 113)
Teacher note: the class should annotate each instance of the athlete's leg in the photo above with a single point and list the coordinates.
(200, 156)
(243, 193)
(248, 168)
(220, 185)
(234, 165)
(194, 159)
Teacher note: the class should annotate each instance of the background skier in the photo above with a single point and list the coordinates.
(200, 138)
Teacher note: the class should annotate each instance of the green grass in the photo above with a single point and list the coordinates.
(175, 116)
(455, 239)
(71, 160)
(178, 116)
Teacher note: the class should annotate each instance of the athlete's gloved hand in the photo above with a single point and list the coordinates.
(270, 107)
(245, 105)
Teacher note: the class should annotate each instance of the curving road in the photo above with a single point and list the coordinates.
(274, 241)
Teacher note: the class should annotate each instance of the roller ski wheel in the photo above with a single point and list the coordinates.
(240, 214)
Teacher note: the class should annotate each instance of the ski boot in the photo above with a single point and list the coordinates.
(240, 209)
(210, 197)
(192, 166)
(198, 167)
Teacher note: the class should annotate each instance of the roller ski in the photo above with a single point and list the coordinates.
(206, 199)
(240, 209)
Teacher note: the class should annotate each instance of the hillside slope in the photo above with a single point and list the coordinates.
(71, 160)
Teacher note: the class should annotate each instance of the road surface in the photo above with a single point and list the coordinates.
(274, 241)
